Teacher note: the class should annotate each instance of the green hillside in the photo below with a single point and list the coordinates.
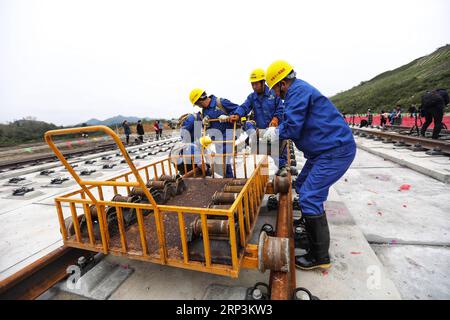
(403, 86)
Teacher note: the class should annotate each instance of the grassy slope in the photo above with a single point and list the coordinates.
(404, 85)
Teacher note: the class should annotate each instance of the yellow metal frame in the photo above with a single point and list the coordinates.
(245, 207)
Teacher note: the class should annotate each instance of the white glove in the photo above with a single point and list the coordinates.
(241, 138)
(206, 121)
(271, 134)
(223, 118)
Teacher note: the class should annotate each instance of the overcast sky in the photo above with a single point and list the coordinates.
(68, 61)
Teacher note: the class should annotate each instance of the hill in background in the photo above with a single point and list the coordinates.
(22, 131)
(404, 85)
(113, 121)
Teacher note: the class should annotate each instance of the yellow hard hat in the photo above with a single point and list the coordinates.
(277, 71)
(205, 141)
(257, 75)
(195, 95)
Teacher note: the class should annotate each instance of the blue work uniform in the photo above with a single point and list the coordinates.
(316, 127)
(265, 106)
(226, 128)
(187, 130)
(190, 133)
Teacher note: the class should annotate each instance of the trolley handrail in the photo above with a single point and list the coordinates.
(83, 183)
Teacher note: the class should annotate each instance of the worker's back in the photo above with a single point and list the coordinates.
(322, 128)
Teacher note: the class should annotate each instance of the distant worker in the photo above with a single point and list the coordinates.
(160, 126)
(383, 118)
(369, 117)
(316, 127)
(391, 117)
(156, 129)
(127, 131)
(398, 115)
(217, 108)
(267, 108)
(140, 131)
(433, 105)
(412, 111)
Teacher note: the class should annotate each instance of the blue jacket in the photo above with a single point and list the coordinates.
(213, 112)
(265, 106)
(312, 121)
(187, 131)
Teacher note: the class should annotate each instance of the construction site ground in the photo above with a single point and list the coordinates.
(386, 243)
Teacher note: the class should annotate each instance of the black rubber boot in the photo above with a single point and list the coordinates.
(301, 237)
(319, 238)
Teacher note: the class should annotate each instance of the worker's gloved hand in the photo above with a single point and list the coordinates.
(271, 134)
(241, 138)
(234, 118)
(206, 121)
(274, 122)
(223, 118)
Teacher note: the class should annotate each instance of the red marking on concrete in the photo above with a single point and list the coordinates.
(324, 272)
(355, 252)
(405, 187)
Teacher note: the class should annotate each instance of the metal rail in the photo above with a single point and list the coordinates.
(36, 160)
(438, 145)
(406, 128)
(36, 278)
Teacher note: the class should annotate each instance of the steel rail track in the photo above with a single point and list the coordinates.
(431, 144)
(36, 160)
(36, 278)
(402, 128)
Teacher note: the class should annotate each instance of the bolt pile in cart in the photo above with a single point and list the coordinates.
(183, 218)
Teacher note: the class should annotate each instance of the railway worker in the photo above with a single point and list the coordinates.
(213, 107)
(267, 108)
(156, 129)
(190, 132)
(127, 131)
(140, 131)
(433, 104)
(369, 117)
(316, 127)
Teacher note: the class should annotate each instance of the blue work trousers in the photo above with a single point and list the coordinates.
(319, 174)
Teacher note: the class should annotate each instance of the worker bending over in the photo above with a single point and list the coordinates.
(316, 127)
(213, 107)
(188, 153)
